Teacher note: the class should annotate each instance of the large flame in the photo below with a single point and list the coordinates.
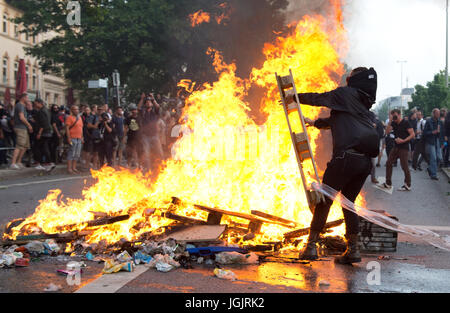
(224, 158)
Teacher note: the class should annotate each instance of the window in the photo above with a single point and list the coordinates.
(34, 39)
(47, 96)
(5, 71)
(5, 23)
(16, 69)
(16, 31)
(27, 37)
(34, 79)
(56, 99)
(27, 70)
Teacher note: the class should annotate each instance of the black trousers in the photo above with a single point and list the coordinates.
(42, 150)
(346, 174)
(53, 145)
(390, 143)
(419, 150)
(105, 150)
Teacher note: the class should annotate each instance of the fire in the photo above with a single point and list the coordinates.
(224, 158)
(199, 17)
(187, 85)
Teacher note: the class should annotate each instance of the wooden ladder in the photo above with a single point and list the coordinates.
(302, 146)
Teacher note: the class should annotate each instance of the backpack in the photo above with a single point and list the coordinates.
(95, 133)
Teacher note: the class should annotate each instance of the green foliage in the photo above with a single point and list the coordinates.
(433, 95)
(148, 41)
(383, 110)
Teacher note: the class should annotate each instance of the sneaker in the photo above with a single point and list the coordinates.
(20, 165)
(40, 168)
(434, 178)
(385, 186)
(404, 188)
(50, 167)
(15, 167)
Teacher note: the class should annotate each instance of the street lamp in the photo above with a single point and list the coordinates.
(401, 83)
(446, 49)
(116, 84)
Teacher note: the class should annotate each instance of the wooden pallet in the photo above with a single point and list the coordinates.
(305, 231)
(215, 217)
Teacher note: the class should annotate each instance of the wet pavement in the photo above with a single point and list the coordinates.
(415, 267)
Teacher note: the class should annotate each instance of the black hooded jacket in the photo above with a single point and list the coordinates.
(351, 122)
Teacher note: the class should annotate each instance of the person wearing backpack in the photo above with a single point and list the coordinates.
(93, 123)
(44, 134)
(355, 143)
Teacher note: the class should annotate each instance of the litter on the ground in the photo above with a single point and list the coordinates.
(225, 274)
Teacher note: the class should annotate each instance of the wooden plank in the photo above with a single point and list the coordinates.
(236, 229)
(290, 224)
(198, 233)
(214, 218)
(23, 240)
(46, 236)
(305, 231)
(97, 222)
(231, 213)
(249, 217)
(13, 242)
(183, 219)
(254, 227)
(98, 214)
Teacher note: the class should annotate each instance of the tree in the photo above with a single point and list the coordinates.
(434, 95)
(150, 42)
(383, 110)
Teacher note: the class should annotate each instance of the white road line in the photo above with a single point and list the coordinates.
(110, 283)
(43, 182)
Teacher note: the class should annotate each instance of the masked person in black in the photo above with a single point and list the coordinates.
(355, 142)
(107, 134)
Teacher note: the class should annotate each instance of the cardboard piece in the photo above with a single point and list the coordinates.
(197, 233)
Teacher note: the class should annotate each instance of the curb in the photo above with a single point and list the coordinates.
(446, 171)
(8, 174)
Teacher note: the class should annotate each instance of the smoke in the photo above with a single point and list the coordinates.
(383, 32)
(299, 8)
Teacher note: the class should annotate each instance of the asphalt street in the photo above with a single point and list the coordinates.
(415, 267)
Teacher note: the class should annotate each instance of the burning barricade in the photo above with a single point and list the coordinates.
(221, 238)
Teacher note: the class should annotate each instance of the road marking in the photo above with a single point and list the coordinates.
(110, 283)
(43, 182)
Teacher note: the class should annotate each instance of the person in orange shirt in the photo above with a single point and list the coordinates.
(74, 132)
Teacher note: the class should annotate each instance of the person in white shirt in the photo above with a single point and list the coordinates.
(419, 149)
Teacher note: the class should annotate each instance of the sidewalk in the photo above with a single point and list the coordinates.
(8, 174)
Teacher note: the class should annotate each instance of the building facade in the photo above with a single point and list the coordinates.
(53, 89)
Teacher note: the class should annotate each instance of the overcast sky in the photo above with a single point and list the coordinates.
(381, 32)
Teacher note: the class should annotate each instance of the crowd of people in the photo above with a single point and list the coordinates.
(414, 139)
(87, 137)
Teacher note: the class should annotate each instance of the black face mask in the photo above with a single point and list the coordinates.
(366, 81)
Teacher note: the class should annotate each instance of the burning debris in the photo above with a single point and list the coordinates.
(183, 242)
